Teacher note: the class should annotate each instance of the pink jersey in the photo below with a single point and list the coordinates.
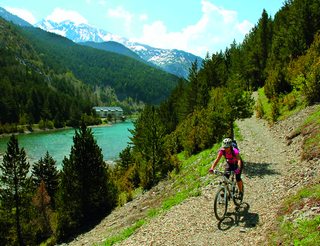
(231, 158)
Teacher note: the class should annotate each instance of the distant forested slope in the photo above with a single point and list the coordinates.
(30, 91)
(128, 77)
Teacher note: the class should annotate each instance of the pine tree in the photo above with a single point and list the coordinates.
(86, 193)
(237, 103)
(148, 137)
(125, 158)
(45, 170)
(14, 182)
(41, 201)
(193, 88)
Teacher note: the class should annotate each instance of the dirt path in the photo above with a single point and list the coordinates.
(271, 173)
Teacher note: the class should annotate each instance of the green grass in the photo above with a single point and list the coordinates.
(189, 181)
(284, 110)
(303, 232)
(125, 233)
(266, 105)
(314, 118)
(175, 200)
(296, 201)
(311, 131)
(299, 231)
(153, 212)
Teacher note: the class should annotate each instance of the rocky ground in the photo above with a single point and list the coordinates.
(273, 170)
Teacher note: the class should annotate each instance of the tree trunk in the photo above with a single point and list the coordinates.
(18, 226)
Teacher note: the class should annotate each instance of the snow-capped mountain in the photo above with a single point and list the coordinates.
(78, 32)
(173, 61)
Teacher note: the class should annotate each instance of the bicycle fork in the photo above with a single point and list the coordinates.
(227, 192)
(227, 185)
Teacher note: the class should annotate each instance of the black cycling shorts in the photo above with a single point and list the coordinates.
(232, 167)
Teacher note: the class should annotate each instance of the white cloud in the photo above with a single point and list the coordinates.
(214, 31)
(244, 27)
(121, 14)
(157, 35)
(23, 14)
(59, 15)
(143, 17)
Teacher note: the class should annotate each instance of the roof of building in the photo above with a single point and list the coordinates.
(107, 109)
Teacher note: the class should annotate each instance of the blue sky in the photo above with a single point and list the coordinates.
(196, 26)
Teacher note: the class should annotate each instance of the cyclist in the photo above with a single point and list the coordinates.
(234, 162)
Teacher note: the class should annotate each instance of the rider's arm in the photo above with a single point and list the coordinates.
(216, 161)
(239, 161)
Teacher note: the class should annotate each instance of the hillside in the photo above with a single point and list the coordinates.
(273, 171)
(28, 91)
(127, 76)
(114, 47)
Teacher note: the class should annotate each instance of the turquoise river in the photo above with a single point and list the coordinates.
(111, 139)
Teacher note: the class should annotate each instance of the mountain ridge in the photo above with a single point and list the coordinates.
(13, 18)
(173, 61)
(113, 46)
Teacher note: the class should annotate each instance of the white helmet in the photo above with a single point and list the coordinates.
(227, 142)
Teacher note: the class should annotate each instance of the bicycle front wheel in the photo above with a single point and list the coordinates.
(220, 204)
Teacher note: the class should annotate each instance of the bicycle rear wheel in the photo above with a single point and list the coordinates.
(220, 204)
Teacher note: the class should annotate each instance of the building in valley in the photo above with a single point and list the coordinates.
(111, 113)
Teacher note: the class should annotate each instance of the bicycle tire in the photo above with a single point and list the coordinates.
(220, 204)
(238, 200)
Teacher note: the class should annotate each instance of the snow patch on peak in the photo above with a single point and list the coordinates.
(138, 48)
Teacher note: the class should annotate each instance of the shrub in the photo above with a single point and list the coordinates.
(259, 109)
(290, 101)
(275, 112)
(312, 87)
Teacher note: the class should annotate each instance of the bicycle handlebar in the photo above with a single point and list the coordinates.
(217, 172)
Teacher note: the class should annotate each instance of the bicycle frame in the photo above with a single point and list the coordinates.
(227, 184)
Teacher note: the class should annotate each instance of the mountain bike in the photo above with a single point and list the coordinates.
(227, 190)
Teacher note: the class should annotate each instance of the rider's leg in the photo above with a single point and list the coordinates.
(239, 181)
(240, 185)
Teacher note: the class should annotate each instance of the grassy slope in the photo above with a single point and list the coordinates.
(303, 230)
(295, 227)
(186, 183)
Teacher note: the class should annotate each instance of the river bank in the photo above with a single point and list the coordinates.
(111, 138)
(36, 129)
